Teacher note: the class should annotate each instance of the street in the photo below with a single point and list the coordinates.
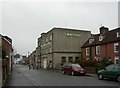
(44, 77)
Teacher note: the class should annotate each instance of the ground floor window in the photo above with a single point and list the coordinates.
(70, 59)
(63, 59)
(117, 60)
(87, 58)
(77, 58)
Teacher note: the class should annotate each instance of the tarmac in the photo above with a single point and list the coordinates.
(16, 79)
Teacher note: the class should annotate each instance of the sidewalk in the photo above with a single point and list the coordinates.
(16, 79)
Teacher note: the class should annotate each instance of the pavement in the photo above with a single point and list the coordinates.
(17, 79)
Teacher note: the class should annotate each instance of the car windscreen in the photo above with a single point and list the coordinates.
(76, 65)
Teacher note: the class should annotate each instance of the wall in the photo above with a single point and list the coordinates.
(57, 58)
(63, 42)
(106, 50)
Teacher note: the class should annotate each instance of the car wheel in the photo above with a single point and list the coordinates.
(100, 76)
(118, 78)
(73, 73)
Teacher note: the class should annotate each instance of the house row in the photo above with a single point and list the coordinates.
(105, 45)
(6, 56)
(63, 45)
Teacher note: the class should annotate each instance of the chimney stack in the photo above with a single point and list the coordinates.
(103, 30)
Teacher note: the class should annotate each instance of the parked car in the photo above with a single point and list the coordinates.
(111, 71)
(73, 69)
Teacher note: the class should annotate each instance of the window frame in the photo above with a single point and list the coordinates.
(88, 51)
(116, 45)
(97, 50)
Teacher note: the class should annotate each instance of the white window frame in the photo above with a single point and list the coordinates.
(88, 51)
(115, 45)
(101, 38)
(118, 34)
(97, 50)
(116, 59)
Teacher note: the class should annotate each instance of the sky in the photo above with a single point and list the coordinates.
(24, 20)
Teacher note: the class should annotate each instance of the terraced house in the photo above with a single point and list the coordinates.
(61, 45)
(103, 45)
(6, 56)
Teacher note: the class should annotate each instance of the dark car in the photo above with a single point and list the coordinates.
(73, 69)
(111, 71)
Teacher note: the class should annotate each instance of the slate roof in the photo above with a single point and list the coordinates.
(110, 36)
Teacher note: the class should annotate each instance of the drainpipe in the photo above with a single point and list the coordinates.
(119, 50)
(90, 53)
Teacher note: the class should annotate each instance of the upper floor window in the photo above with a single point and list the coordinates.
(116, 47)
(118, 34)
(50, 36)
(101, 38)
(91, 40)
(46, 39)
(88, 51)
(97, 49)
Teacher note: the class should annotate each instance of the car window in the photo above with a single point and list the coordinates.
(110, 67)
(116, 68)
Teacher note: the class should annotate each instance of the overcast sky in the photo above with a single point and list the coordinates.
(24, 20)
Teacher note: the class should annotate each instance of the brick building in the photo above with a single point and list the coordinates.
(103, 45)
(6, 56)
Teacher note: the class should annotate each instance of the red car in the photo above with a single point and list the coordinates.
(73, 69)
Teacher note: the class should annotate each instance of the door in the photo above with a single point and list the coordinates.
(45, 63)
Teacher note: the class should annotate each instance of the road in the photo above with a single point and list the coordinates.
(44, 77)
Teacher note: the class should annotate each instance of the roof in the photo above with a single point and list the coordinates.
(6, 37)
(110, 36)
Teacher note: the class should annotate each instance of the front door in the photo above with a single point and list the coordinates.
(45, 63)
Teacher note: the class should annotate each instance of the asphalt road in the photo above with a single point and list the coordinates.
(43, 77)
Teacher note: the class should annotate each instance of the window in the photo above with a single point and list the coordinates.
(91, 40)
(97, 50)
(50, 49)
(116, 60)
(87, 51)
(116, 47)
(118, 34)
(109, 68)
(87, 58)
(46, 39)
(101, 38)
(70, 59)
(116, 68)
(76, 58)
(63, 59)
(51, 37)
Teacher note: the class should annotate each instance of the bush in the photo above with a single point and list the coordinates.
(87, 63)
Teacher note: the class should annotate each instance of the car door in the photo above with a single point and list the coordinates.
(108, 71)
(69, 68)
(114, 72)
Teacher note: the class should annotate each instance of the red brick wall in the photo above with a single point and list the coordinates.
(106, 50)
(7, 47)
(6, 62)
